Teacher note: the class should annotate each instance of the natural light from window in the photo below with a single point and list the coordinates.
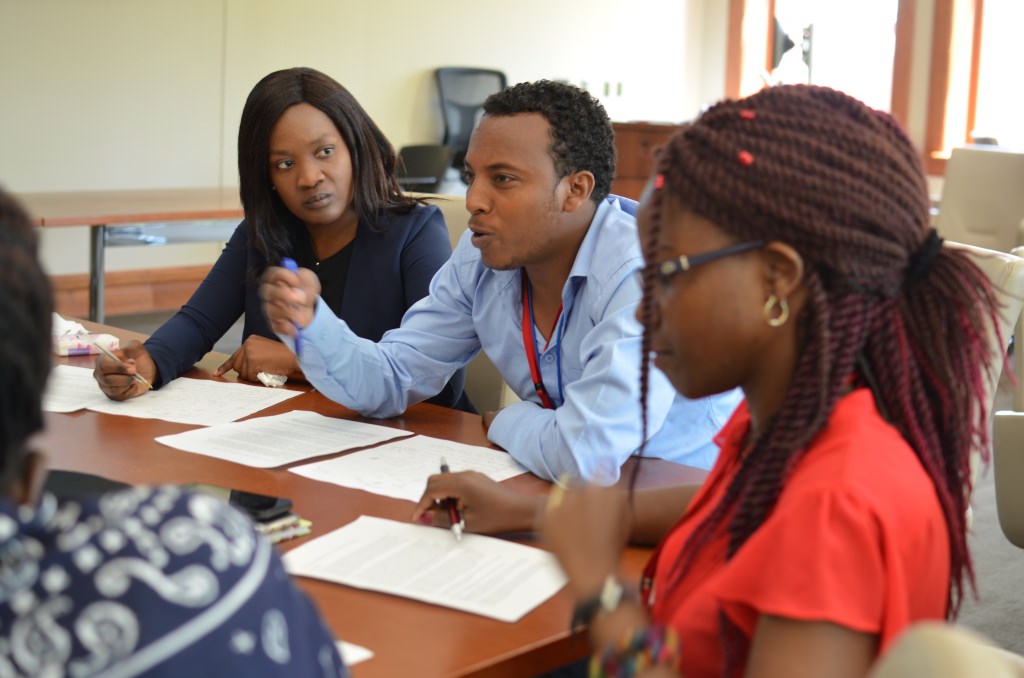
(999, 112)
(841, 44)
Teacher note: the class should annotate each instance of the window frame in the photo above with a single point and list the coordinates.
(942, 130)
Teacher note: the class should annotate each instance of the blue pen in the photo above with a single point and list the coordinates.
(290, 264)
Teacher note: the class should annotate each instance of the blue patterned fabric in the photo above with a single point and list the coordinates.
(150, 581)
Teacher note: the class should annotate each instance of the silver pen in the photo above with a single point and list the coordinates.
(86, 337)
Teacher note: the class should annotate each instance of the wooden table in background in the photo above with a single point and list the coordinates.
(409, 638)
(100, 209)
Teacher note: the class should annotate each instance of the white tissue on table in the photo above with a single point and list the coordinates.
(271, 380)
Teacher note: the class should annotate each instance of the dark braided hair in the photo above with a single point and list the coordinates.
(581, 133)
(25, 318)
(842, 184)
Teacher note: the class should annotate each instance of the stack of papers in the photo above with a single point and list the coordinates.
(200, 402)
(400, 469)
(483, 575)
(265, 442)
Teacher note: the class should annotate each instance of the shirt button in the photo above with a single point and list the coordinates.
(549, 358)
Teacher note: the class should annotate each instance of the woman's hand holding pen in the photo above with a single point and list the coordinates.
(487, 507)
(259, 354)
(116, 379)
(289, 298)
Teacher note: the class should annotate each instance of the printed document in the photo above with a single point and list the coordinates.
(483, 575)
(400, 469)
(280, 439)
(200, 402)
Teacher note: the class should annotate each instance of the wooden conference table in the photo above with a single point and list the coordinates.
(408, 638)
(100, 209)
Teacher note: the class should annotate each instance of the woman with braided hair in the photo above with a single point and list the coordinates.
(788, 252)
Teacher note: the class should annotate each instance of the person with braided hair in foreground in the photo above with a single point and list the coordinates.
(787, 252)
(152, 581)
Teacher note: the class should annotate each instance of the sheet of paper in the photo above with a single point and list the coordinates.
(400, 469)
(187, 401)
(483, 575)
(70, 389)
(352, 653)
(280, 439)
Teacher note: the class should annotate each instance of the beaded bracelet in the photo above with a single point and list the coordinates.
(636, 651)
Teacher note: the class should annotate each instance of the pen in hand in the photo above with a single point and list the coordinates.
(86, 337)
(290, 264)
(458, 523)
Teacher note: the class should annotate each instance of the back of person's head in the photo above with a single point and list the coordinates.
(581, 133)
(375, 183)
(888, 307)
(25, 317)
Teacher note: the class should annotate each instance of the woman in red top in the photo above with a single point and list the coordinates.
(788, 252)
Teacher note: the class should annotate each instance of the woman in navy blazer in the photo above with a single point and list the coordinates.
(318, 185)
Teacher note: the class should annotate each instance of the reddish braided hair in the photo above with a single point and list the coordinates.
(842, 184)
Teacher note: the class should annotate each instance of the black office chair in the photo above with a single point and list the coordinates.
(462, 92)
(421, 168)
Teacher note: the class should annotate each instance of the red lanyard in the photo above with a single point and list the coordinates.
(531, 347)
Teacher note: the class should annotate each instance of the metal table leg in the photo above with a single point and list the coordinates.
(97, 241)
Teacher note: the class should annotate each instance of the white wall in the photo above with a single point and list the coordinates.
(127, 94)
(113, 94)
(108, 94)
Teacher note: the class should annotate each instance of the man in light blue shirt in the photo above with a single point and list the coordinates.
(547, 249)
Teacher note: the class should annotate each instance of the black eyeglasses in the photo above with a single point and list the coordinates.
(666, 270)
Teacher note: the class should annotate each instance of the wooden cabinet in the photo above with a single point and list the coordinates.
(635, 143)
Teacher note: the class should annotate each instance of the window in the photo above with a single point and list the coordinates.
(973, 89)
(862, 48)
(999, 105)
(840, 44)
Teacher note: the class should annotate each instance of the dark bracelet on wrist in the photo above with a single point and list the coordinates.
(606, 600)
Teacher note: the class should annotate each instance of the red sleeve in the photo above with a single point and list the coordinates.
(819, 556)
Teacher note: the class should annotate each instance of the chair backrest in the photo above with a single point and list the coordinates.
(1006, 271)
(462, 91)
(453, 207)
(485, 386)
(983, 198)
(1008, 448)
(944, 650)
(1008, 473)
(422, 167)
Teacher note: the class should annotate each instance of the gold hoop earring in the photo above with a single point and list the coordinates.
(769, 306)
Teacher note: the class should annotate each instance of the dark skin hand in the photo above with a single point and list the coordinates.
(587, 529)
(259, 354)
(487, 507)
(115, 379)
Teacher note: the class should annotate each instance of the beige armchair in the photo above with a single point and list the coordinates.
(944, 650)
(1008, 434)
(982, 202)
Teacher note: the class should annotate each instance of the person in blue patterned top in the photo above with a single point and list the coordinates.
(151, 581)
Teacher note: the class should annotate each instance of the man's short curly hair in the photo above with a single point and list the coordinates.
(581, 133)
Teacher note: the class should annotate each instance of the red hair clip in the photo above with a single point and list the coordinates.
(748, 114)
(746, 158)
(659, 181)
